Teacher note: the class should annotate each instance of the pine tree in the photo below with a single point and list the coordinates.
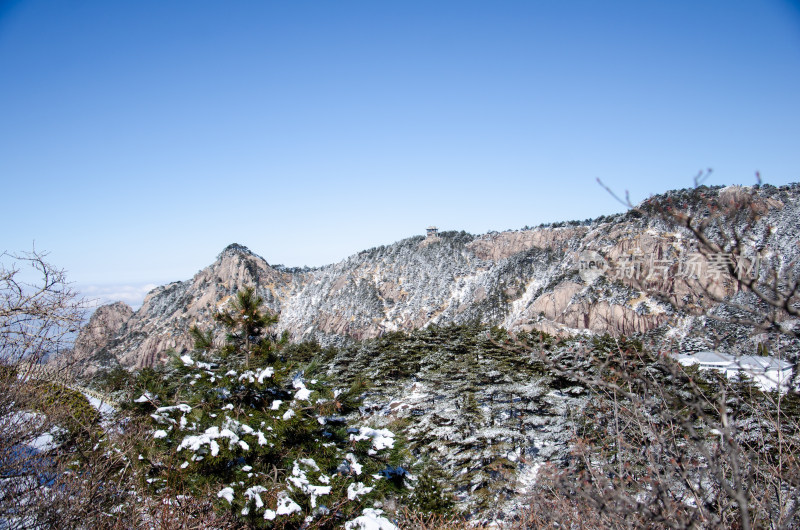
(429, 497)
(247, 325)
(260, 438)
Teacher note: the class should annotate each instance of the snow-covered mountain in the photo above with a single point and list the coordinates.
(521, 280)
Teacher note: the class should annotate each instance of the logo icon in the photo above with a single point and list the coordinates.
(591, 265)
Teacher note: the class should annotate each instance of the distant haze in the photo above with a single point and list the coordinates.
(131, 294)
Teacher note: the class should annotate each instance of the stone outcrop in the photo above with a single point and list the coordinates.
(497, 246)
(104, 324)
(163, 322)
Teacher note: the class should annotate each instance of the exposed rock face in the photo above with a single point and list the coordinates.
(496, 246)
(105, 323)
(525, 279)
(168, 312)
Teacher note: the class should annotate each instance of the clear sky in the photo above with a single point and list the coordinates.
(139, 138)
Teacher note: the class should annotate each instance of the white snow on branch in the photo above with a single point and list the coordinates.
(381, 438)
(227, 494)
(370, 519)
(354, 490)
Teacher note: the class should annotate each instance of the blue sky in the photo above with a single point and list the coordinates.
(138, 139)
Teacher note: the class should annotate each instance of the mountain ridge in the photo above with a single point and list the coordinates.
(525, 279)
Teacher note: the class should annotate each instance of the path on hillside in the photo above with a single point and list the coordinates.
(62, 376)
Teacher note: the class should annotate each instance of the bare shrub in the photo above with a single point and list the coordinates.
(59, 466)
(38, 312)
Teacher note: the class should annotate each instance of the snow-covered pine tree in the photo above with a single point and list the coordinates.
(265, 434)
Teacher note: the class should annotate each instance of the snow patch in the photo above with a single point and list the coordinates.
(227, 494)
(354, 490)
(370, 519)
(381, 438)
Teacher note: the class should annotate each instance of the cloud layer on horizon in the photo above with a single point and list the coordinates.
(132, 293)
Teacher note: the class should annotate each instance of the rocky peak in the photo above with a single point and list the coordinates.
(163, 322)
(105, 323)
(107, 319)
(237, 250)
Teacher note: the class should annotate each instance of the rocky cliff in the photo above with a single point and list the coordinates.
(168, 312)
(89, 351)
(521, 280)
